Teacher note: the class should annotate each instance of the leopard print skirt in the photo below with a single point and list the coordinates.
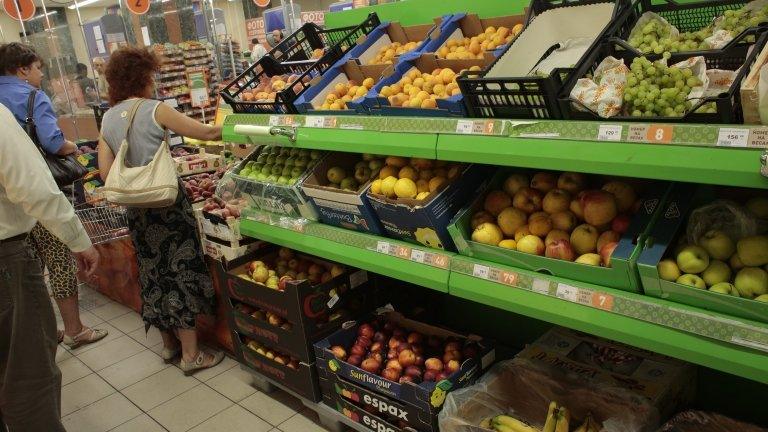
(55, 255)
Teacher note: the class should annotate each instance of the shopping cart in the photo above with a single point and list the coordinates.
(102, 221)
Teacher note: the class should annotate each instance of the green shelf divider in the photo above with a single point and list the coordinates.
(393, 258)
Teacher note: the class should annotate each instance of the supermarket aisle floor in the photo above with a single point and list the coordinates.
(121, 384)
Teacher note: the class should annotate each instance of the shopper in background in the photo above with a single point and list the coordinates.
(22, 74)
(99, 65)
(87, 85)
(257, 50)
(30, 381)
(274, 38)
(175, 284)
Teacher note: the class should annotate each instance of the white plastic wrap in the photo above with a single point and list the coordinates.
(700, 421)
(727, 216)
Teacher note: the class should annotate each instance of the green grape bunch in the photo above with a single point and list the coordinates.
(654, 89)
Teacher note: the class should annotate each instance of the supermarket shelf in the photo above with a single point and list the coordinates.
(713, 154)
(397, 259)
(736, 346)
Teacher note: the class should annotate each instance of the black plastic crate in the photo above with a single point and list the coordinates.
(737, 56)
(530, 96)
(294, 59)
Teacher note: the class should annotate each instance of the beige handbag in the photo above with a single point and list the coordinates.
(151, 186)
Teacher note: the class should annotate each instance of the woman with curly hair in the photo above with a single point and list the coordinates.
(175, 284)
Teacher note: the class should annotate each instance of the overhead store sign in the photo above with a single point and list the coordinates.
(19, 8)
(138, 7)
(317, 17)
(254, 28)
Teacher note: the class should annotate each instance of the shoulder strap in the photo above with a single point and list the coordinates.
(31, 106)
(131, 115)
(29, 122)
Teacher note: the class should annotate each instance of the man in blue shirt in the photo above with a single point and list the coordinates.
(15, 87)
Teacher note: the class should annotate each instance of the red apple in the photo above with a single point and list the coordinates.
(355, 360)
(339, 352)
(419, 360)
(283, 282)
(407, 358)
(560, 249)
(370, 365)
(620, 223)
(399, 333)
(404, 346)
(394, 342)
(599, 207)
(392, 354)
(415, 338)
(358, 350)
(405, 379)
(391, 375)
(452, 366)
(366, 330)
(413, 371)
(607, 237)
(376, 356)
(451, 355)
(377, 347)
(429, 375)
(364, 341)
(393, 364)
(433, 364)
(605, 253)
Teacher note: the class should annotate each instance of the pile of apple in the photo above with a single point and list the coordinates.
(418, 89)
(556, 215)
(414, 178)
(473, 47)
(201, 186)
(721, 264)
(280, 165)
(366, 169)
(268, 88)
(287, 267)
(342, 93)
(276, 356)
(387, 53)
(260, 315)
(225, 209)
(398, 355)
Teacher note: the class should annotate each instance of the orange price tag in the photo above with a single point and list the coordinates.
(403, 252)
(508, 278)
(440, 261)
(661, 134)
(602, 301)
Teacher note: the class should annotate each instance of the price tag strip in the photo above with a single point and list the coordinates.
(699, 323)
(320, 122)
(433, 259)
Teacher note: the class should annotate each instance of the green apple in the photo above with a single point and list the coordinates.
(283, 180)
(717, 244)
(272, 178)
(261, 176)
(290, 161)
(301, 162)
(336, 174)
(349, 184)
(751, 282)
(762, 298)
(668, 270)
(692, 280)
(725, 288)
(267, 169)
(296, 172)
(286, 170)
(271, 159)
(277, 169)
(262, 158)
(692, 259)
(753, 251)
(717, 272)
(736, 263)
(314, 154)
(245, 172)
(280, 159)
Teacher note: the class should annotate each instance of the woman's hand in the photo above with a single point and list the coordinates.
(67, 148)
(185, 126)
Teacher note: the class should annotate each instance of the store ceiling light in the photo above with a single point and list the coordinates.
(82, 4)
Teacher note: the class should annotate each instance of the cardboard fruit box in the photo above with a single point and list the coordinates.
(426, 396)
(622, 274)
(343, 73)
(451, 106)
(339, 393)
(197, 163)
(387, 33)
(426, 222)
(264, 193)
(369, 420)
(462, 25)
(342, 208)
(670, 231)
(302, 380)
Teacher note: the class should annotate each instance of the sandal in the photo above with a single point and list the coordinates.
(85, 337)
(59, 336)
(170, 354)
(203, 361)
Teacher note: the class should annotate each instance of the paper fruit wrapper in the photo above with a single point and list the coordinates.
(604, 92)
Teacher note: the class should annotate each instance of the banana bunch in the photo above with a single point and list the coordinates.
(505, 423)
(589, 425)
(558, 418)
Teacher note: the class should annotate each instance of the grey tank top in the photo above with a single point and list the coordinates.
(146, 133)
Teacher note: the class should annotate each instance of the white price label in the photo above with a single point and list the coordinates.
(732, 137)
(333, 301)
(609, 133)
(382, 247)
(465, 126)
(567, 292)
(540, 286)
(417, 255)
(315, 121)
(274, 120)
(480, 271)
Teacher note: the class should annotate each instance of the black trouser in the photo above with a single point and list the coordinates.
(30, 380)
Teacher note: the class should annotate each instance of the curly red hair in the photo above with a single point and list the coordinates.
(128, 72)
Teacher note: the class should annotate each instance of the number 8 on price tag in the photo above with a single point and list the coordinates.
(659, 134)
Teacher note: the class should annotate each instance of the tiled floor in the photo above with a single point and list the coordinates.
(121, 384)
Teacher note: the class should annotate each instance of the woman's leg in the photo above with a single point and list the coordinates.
(192, 358)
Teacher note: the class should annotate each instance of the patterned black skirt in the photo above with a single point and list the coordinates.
(175, 284)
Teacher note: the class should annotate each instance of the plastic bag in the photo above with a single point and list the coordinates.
(647, 17)
(700, 421)
(727, 216)
(524, 389)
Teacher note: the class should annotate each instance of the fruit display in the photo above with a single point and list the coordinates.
(224, 209)
(352, 178)
(387, 53)
(287, 267)
(418, 89)
(400, 355)
(271, 354)
(721, 262)
(269, 317)
(201, 186)
(411, 179)
(267, 88)
(567, 216)
(279, 165)
(475, 46)
(653, 89)
(558, 420)
(342, 93)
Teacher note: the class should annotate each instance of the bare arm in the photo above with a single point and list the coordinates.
(185, 126)
(106, 158)
(67, 148)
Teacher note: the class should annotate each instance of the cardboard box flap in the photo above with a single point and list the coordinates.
(548, 29)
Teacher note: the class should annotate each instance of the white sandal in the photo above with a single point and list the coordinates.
(200, 362)
(85, 337)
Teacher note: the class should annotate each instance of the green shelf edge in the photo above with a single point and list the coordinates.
(721, 166)
(711, 353)
(419, 274)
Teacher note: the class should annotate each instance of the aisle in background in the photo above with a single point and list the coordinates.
(121, 384)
